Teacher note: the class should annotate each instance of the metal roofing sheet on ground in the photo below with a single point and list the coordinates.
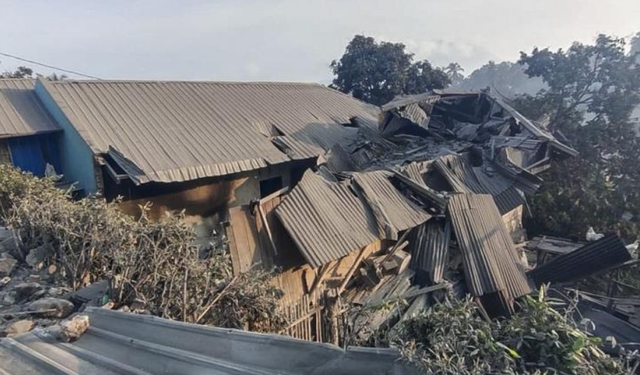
(490, 259)
(179, 131)
(429, 248)
(122, 343)
(21, 112)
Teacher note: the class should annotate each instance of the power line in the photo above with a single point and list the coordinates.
(49, 66)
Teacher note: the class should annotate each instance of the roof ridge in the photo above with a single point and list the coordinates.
(265, 83)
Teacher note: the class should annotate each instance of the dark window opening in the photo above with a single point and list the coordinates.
(270, 186)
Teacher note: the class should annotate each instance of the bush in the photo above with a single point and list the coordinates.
(453, 338)
(15, 184)
(150, 261)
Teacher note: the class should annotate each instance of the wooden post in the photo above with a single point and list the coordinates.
(265, 224)
(351, 271)
(322, 274)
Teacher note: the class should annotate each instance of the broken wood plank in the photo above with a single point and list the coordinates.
(352, 270)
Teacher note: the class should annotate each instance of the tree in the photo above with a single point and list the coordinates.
(21, 72)
(454, 72)
(635, 45)
(506, 78)
(591, 92)
(378, 72)
(56, 77)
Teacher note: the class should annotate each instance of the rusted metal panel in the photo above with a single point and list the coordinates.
(326, 220)
(490, 259)
(387, 203)
(21, 112)
(585, 261)
(180, 131)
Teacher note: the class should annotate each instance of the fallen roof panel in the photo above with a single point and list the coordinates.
(387, 203)
(429, 248)
(21, 112)
(490, 259)
(464, 178)
(326, 219)
(596, 256)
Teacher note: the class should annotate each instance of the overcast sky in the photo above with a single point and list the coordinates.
(287, 40)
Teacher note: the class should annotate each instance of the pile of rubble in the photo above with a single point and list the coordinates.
(442, 183)
(33, 297)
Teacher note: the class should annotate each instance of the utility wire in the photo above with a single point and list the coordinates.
(49, 66)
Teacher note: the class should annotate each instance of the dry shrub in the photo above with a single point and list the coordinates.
(250, 303)
(15, 184)
(150, 261)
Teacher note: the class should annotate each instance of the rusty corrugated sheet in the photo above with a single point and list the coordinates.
(490, 259)
(389, 206)
(180, 131)
(21, 112)
(585, 261)
(429, 248)
(326, 220)
(416, 171)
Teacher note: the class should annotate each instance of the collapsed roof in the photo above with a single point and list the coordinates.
(441, 168)
(181, 131)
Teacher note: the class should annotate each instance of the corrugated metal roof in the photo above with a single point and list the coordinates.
(21, 112)
(585, 261)
(387, 203)
(123, 343)
(464, 178)
(489, 256)
(328, 220)
(180, 131)
(429, 247)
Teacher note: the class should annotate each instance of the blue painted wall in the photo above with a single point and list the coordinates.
(31, 153)
(76, 158)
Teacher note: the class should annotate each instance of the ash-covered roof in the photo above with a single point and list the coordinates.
(180, 131)
(21, 112)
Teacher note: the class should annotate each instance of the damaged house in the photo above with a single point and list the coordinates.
(355, 205)
(28, 133)
(431, 200)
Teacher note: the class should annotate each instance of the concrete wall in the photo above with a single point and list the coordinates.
(76, 157)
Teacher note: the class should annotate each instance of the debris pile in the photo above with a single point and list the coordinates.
(442, 186)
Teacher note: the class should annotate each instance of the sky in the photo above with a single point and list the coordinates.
(287, 40)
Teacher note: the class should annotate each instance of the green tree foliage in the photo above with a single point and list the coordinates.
(376, 72)
(21, 72)
(592, 90)
(453, 338)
